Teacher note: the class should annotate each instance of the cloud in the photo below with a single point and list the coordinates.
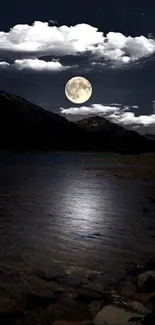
(85, 110)
(135, 106)
(39, 65)
(4, 64)
(129, 118)
(35, 64)
(43, 39)
(116, 114)
(54, 22)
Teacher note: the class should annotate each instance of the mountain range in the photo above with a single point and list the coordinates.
(25, 126)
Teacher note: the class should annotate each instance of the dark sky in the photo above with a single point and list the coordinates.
(110, 43)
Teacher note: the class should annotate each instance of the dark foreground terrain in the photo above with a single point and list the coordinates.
(63, 299)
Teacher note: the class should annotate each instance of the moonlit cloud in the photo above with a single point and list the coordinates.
(43, 39)
(84, 110)
(129, 118)
(115, 114)
(39, 65)
(54, 22)
(4, 64)
(135, 106)
(35, 64)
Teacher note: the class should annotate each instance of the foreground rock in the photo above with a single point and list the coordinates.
(146, 281)
(111, 315)
(48, 299)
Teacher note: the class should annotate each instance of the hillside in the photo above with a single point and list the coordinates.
(25, 126)
(114, 136)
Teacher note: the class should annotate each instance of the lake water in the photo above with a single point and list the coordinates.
(57, 215)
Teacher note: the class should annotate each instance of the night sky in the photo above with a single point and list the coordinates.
(112, 44)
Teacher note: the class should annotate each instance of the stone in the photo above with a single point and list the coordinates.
(127, 289)
(94, 307)
(143, 298)
(36, 300)
(139, 307)
(146, 281)
(97, 287)
(67, 309)
(111, 315)
(86, 296)
(63, 322)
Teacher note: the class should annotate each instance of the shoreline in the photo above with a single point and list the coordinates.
(62, 299)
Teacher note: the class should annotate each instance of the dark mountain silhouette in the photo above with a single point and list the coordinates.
(150, 136)
(114, 136)
(25, 126)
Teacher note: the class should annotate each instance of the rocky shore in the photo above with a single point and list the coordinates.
(62, 299)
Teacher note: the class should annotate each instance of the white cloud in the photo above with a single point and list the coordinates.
(135, 106)
(37, 65)
(93, 109)
(54, 22)
(4, 64)
(129, 118)
(41, 38)
(115, 114)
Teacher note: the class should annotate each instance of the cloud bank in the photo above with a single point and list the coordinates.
(41, 39)
(36, 65)
(117, 114)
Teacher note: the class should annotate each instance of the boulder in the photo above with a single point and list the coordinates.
(98, 287)
(146, 281)
(111, 315)
(127, 289)
(86, 296)
(143, 298)
(94, 307)
(63, 322)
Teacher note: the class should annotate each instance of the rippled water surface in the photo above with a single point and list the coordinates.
(56, 214)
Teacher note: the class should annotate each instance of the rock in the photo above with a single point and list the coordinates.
(139, 307)
(63, 322)
(97, 287)
(146, 281)
(94, 307)
(68, 310)
(128, 306)
(36, 300)
(86, 296)
(143, 298)
(111, 315)
(127, 289)
(74, 281)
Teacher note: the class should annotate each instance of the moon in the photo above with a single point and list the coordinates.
(78, 90)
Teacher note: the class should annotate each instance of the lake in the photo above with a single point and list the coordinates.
(57, 215)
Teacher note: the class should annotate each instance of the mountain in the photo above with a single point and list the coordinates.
(25, 126)
(150, 136)
(114, 136)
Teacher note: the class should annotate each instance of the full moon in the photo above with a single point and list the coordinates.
(78, 90)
